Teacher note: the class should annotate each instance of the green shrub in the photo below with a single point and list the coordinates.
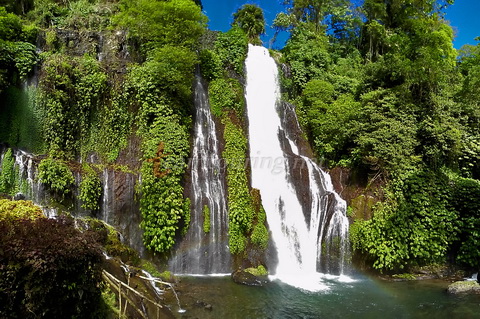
(162, 204)
(8, 174)
(414, 226)
(56, 175)
(241, 210)
(226, 94)
(90, 189)
(11, 211)
(210, 65)
(206, 219)
(70, 94)
(232, 48)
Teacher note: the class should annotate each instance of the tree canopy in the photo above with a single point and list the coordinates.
(250, 19)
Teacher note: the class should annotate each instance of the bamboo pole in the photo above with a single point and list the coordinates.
(119, 301)
(112, 284)
(131, 289)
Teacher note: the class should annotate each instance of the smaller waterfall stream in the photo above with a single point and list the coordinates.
(203, 252)
(306, 217)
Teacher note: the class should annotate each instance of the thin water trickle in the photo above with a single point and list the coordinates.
(310, 236)
(202, 252)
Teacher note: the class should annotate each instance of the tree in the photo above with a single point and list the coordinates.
(250, 19)
(17, 6)
(158, 22)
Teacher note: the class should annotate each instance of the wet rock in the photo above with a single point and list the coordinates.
(245, 278)
(19, 196)
(464, 287)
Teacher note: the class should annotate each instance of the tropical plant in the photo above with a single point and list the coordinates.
(251, 20)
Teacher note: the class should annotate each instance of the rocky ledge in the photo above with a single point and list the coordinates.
(464, 287)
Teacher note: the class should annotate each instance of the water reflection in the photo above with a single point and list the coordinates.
(361, 297)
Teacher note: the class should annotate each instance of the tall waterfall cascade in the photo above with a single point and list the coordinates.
(202, 252)
(307, 218)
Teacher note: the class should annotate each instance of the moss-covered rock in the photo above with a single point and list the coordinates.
(464, 287)
(251, 276)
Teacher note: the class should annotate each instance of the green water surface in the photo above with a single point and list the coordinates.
(362, 298)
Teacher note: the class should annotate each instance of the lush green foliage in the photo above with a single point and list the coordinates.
(250, 19)
(48, 269)
(90, 188)
(70, 94)
(232, 47)
(168, 72)
(15, 211)
(17, 55)
(465, 196)
(56, 175)
(74, 14)
(258, 271)
(387, 100)
(8, 174)
(162, 203)
(158, 23)
(226, 95)
(415, 225)
(206, 219)
(210, 65)
(240, 205)
(160, 89)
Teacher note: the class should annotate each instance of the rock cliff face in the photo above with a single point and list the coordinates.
(119, 204)
(109, 47)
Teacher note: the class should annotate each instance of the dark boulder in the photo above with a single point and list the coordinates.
(246, 278)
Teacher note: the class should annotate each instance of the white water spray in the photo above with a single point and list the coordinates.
(300, 243)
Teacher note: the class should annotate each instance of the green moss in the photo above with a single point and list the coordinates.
(109, 303)
(150, 268)
(19, 210)
(167, 276)
(206, 219)
(405, 276)
(258, 271)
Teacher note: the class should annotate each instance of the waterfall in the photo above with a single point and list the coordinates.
(203, 252)
(306, 217)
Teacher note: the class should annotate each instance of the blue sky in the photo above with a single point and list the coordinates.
(463, 17)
